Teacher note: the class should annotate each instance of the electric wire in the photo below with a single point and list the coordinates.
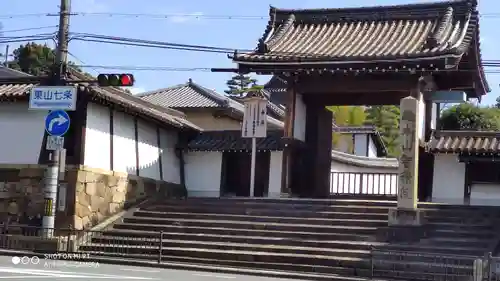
(27, 29)
(209, 69)
(199, 15)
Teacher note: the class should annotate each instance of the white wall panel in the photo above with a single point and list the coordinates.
(149, 155)
(170, 161)
(97, 137)
(124, 157)
(21, 133)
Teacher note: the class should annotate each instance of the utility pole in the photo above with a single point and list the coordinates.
(58, 79)
(6, 56)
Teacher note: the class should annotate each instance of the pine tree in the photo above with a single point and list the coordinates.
(386, 119)
(239, 84)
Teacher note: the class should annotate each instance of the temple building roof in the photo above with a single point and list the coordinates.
(429, 36)
(465, 142)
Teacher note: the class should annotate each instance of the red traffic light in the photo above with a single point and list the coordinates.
(115, 80)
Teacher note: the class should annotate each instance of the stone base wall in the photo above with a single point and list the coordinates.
(21, 190)
(92, 194)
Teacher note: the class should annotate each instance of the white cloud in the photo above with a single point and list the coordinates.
(186, 17)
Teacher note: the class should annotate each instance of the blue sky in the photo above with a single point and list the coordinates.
(236, 33)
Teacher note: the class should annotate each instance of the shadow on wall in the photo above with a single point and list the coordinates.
(100, 194)
(156, 159)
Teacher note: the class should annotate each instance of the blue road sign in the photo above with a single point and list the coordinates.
(57, 123)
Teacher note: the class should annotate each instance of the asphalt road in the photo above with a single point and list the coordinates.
(14, 268)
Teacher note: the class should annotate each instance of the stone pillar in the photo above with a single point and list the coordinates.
(407, 216)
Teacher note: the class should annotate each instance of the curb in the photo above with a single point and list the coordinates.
(194, 267)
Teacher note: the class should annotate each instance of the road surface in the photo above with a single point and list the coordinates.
(18, 268)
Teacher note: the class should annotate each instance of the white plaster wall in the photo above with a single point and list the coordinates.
(149, 154)
(372, 149)
(275, 174)
(344, 143)
(97, 137)
(435, 116)
(22, 133)
(203, 173)
(421, 116)
(124, 155)
(169, 160)
(360, 145)
(449, 179)
(299, 129)
(350, 179)
(485, 194)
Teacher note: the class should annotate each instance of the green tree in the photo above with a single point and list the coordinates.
(35, 59)
(386, 119)
(497, 102)
(239, 84)
(346, 116)
(470, 117)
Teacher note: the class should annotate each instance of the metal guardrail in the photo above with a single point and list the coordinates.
(383, 263)
(426, 266)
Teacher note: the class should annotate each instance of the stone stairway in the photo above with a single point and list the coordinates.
(319, 238)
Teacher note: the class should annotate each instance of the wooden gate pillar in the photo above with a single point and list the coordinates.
(318, 153)
(287, 159)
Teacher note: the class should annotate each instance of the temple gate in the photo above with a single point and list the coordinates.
(388, 55)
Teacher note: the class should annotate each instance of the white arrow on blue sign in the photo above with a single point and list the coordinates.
(57, 123)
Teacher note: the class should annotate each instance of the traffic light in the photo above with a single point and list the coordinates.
(117, 80)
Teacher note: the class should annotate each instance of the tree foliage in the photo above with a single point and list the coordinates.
(240, 84)
(386, 119)
(35, 59)
(470, 117)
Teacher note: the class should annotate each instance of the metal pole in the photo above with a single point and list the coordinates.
(52, 172)
(252, 167)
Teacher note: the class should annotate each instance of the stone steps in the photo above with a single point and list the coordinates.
(286, 215)
(179, 245)
(458, 242)
(160, 218)
(332, 237)
(201, 232)
(290, 269)
(314, 211)
(219, 241)
(314, 217)
(133, 223)
(361, 261)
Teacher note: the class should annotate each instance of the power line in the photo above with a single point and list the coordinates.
(195, 15)
(27, 38)
(82, 62)
(28, 29)
(18, 16)
(208, 69)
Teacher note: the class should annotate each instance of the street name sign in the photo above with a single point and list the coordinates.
(57, 123)
(53, 98)
(54, 143)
